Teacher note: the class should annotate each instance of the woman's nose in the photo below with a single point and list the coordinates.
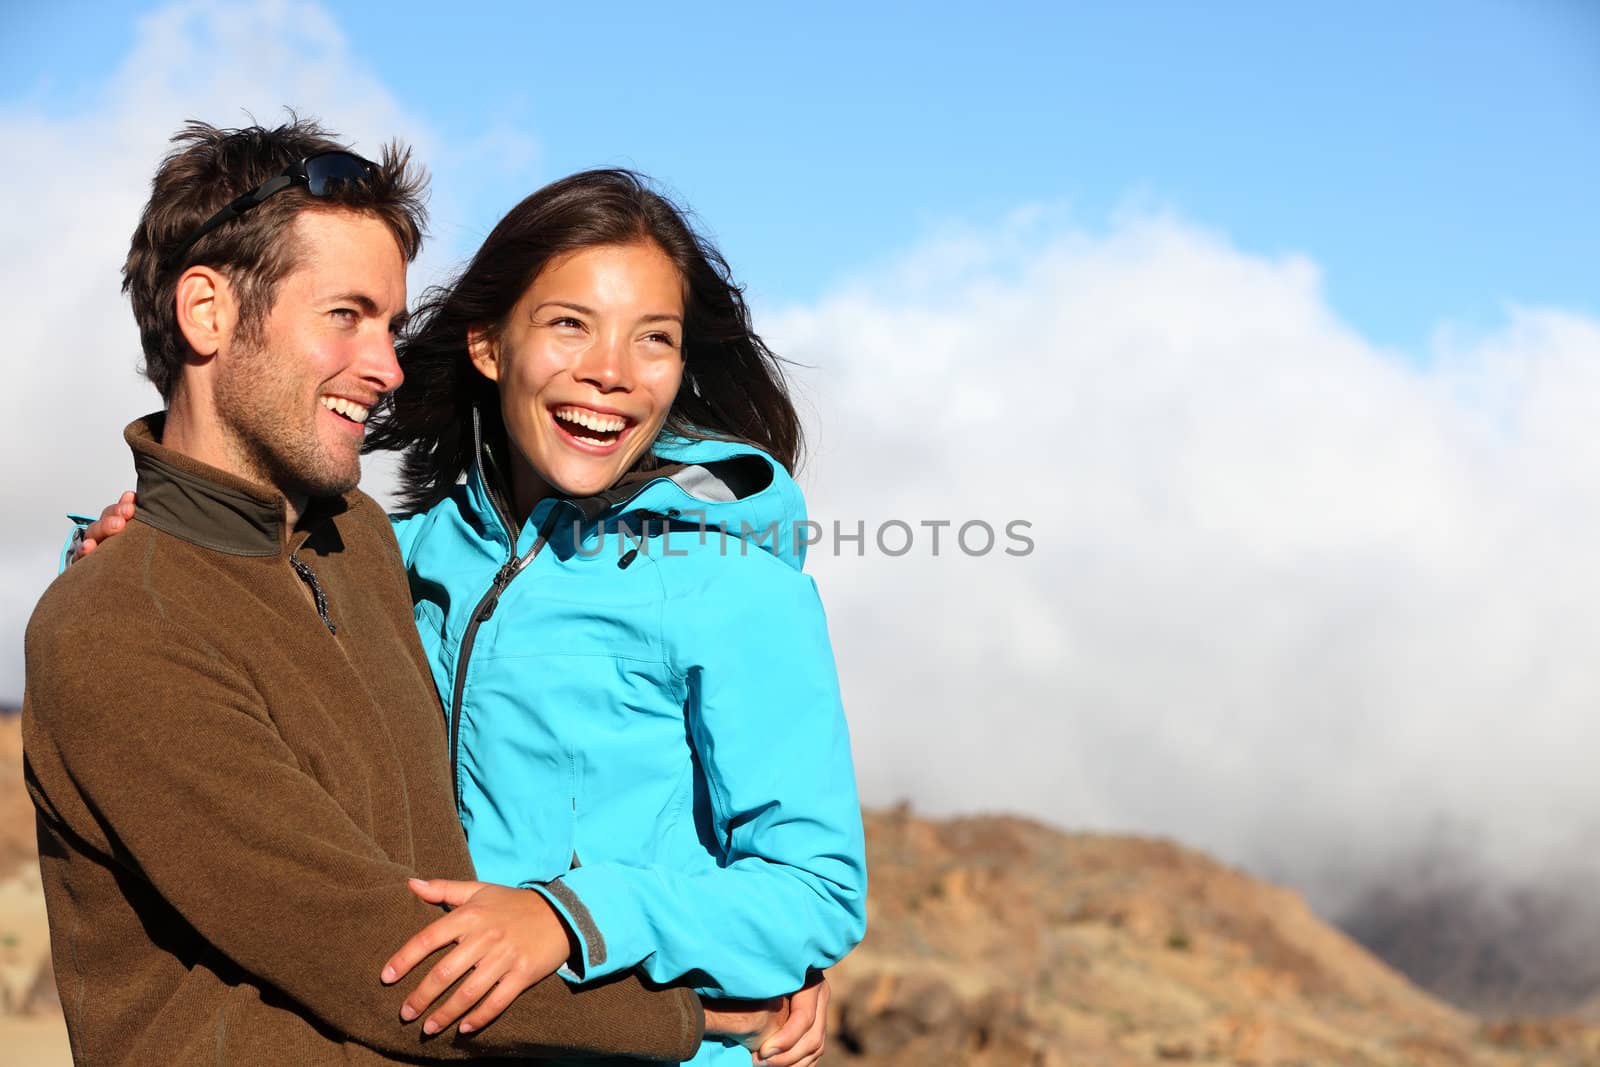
(605, 363)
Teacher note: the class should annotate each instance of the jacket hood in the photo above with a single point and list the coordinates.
(739, 488)
(713, 484)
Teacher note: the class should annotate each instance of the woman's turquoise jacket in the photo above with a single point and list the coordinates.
(645, 720)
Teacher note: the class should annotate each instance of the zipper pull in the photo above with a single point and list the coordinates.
(502, 578)
(318, 597)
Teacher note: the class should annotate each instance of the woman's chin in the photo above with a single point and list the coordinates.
(589, 475)
(585, 484)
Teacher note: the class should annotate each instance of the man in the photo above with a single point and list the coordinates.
(230, 731)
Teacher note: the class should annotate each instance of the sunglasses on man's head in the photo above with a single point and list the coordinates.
(321, 174)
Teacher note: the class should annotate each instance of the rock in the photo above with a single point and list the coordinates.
(915, 1019)
(41, 997)
(1001, 941)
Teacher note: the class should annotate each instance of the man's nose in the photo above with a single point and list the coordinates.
(383, 366)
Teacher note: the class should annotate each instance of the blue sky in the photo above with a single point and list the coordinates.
(1436, 159)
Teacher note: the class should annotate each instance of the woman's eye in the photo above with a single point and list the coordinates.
(567, 322)
(662, 338)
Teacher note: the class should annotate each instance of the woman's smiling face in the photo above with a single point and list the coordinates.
(588, 365)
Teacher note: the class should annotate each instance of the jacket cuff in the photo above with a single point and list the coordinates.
(607, 932)
(80, 524)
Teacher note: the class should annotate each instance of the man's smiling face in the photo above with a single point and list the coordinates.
(292, 401)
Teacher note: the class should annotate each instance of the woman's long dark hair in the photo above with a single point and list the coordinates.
(733, 385)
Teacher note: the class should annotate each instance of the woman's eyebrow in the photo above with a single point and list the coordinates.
(660, 316)
(579, 308)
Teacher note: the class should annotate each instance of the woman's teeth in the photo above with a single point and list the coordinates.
(348, 408)
(603, 428)
(592, 420)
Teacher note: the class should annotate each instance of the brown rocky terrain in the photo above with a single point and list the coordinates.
(997, 941)
(30, 1017)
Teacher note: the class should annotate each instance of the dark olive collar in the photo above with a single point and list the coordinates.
(204, 506)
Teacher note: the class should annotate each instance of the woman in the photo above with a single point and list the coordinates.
(644, 718)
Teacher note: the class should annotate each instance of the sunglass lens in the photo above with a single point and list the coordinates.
(326, 172)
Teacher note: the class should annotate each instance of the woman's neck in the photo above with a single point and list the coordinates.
(527, 487)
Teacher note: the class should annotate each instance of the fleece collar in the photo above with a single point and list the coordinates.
(204, 506)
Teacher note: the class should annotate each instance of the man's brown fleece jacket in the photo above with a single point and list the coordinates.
(234, 786)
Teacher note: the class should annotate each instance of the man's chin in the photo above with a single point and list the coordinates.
(336, 486)
(325, 483)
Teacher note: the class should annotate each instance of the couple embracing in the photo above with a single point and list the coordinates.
(320, 785)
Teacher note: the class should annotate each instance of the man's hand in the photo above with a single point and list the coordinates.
(752, 1023)
(508, 938)
(800, 1039)
(110, 523)
(783, 1032)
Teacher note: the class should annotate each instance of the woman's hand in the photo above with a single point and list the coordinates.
(784, 1032)
(110, 523)
(508, 938)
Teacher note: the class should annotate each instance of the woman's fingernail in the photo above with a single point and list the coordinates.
(430, 1027)
(388, 975)
(466, 1028)
(407, 1012)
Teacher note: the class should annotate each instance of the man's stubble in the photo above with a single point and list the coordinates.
(270, 415)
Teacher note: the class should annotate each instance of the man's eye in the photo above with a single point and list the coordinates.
(346, 315)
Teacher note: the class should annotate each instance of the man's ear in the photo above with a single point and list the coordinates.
(485, 353)
(207, 312)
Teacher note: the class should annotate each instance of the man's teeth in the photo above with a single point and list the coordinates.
(592, 420)
(348, 408)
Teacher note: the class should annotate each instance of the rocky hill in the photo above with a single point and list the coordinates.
(997, 941)
(16, 811)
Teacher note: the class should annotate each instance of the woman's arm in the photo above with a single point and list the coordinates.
(87, 534)
(768, 729)
(408, 528)
(506, 939)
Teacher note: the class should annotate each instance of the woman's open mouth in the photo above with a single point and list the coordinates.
(592, 430)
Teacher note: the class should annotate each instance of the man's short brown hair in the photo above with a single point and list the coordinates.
(207, 168)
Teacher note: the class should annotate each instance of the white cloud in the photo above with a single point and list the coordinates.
(1292, 599)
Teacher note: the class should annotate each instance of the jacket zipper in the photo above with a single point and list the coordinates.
(318, 597)
(481, 614)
